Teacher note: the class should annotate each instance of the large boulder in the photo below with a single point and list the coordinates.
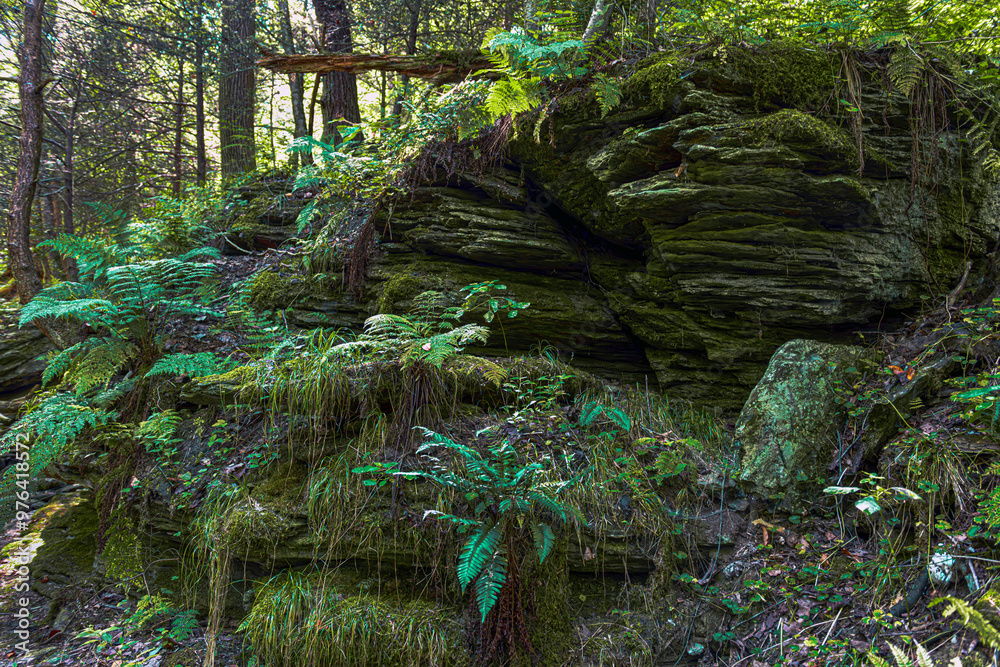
(787, 431)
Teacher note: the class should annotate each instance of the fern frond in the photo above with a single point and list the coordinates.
(545, 539)
(198, 364)
(437, 349)
(51, 426)
(60, 363)
(478, 368)
(390, 327)
(905, 69)
(477, 552)
(93, 256)
(972, 617)
(97, 313)
(490, 582)
(608, 92)
(924, 657)
(104, 358)
(546, 503)
(513, 96)
(876, 660)
(305, 216)
(901, 659)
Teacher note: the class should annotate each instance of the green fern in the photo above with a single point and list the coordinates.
(126, 304)
(972, 618)
(906, 68)
(513, 96)
(544, 538)
(50, 427)
(99, 364)
(505, 493)
(490, 582)
(198, 364)
(608, 92)
(477, 551)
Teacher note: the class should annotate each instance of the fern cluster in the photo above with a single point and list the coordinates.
(970, 618)
(126, 305)
(50, 425)
(428, 334)
(505, 493)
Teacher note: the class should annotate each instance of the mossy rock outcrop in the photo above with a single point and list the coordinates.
(718, 213)
(787, 432)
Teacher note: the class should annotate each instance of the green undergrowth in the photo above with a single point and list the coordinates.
(306, 619)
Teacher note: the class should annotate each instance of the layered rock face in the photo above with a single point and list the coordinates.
(687, 236)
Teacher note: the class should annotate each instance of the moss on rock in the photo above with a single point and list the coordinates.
(269, 290)
(655, 81)
(787, 430)
(309, 619)
(787, 73)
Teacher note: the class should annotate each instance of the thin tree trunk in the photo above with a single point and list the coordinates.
(69, 224)
(295, 85)
(317, 80)
(530, 10)
(19, 255)
(237, 87)
(179, 130)
(340, 90)
(412, 27)
(50, 224)
(270, 122)
(201, 166)
(598, 22)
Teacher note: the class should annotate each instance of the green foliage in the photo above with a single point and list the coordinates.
(973, 619)
(429, 334)
(197, 364)
(340, 171)
(127, 305)
(526, 60)
(157, 433)
(170, 225)
(308, 619)
(504, 494)
(970, 618)
(875, 495)
(155, 613)
(50, 425)
(608, 92)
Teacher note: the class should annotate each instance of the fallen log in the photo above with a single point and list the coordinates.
(439, 67)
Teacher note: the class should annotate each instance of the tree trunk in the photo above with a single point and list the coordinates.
(50, 221)
(201, 165)
(237, 87)
(530, 10)
(69, 224)
(19, 256)
(340, 89)
(412, 27)
(597, 24)
(295, 85)
(179, 130)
